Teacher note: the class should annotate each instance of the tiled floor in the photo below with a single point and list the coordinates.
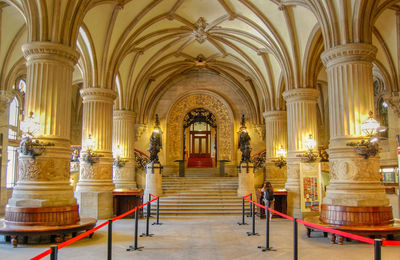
(205, 237)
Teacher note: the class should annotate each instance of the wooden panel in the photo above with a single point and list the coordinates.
(44, 216)
(358, 216)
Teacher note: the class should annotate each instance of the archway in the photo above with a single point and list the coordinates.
(176, 118)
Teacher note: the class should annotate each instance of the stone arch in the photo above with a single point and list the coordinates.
(225, 126)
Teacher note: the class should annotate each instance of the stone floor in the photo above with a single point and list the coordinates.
(205, 237)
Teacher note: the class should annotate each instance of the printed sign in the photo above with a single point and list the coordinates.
(310, 185)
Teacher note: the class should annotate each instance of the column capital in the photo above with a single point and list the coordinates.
(301, 94)
(351, 52)
(34, 51)
(124, 114)
(98, 94)
(275, 115)
(5, 98)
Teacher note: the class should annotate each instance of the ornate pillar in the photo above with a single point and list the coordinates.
(276, 136)
(94, 189)
(5, 98)
(43, 180)
(301, 107)
(124, 138)
(354, 180)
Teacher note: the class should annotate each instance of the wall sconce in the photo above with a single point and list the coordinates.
(280, 162)
(30, 146)
(89, 156)
(309, 156)
(368, 147)
(117, 153)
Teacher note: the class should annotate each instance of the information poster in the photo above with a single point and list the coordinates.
(310, 185)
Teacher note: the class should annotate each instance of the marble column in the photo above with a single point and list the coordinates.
(43, 180)
(124, 137)
(354, 181)
(94, 189)
(276, 136)
(301, 107)
(5, 99)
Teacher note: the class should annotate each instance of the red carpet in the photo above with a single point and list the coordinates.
(199, 162)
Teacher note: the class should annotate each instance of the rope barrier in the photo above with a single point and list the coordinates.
(91, 231)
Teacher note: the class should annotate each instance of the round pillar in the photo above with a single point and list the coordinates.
(94, 189)
(301, 107)
(276, 136)
(124, 138)
(355, 181)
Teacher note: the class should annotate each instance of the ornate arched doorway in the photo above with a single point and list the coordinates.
(200, 132)
(176, 124)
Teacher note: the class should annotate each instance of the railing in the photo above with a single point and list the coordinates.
(378, 243)
(53, 251)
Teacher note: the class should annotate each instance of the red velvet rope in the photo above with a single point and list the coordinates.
(41, 255)
(390, 243)
(87, 233)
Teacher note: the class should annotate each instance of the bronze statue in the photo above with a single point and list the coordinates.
(155, 142)
(244, 142)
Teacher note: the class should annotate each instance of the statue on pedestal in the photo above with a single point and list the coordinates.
(244, 142)
(155, 142)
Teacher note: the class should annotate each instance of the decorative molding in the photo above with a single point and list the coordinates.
(301, 94)
(124, 115)
(260, 130)
(275, 115)
(98, 94)
(50, 51)
(5, 98)
(394, 102)
(348, 53)
(47, 169)
(199, 32)
(139, 130)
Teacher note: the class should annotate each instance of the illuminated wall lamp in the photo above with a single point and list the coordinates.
(309, 156)
(89, 156)
(280, 161)
(368, 147)
(29, 145)
(118, 161)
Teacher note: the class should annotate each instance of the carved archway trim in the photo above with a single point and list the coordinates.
(175, 118)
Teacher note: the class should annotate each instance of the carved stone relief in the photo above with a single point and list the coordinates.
(354, 170)
(175, 125)
(45, 169)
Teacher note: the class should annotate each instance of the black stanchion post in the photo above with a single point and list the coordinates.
(147, 219)
(109, 241)
(54, 253)
(158, 213)
(250, 206)
(243, 213)
(295, 242)
(377, 249)
(253, 233)
(135, 247)
(266, 248)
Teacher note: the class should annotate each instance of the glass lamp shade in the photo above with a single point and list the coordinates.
(30, 126)
(369, 127)
(281, 152)
(310, 143)
(117, 152)
(90, 143)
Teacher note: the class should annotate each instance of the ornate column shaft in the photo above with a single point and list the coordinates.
(354, 180)
(94, 189)
(5, 98)
(124, 137)
(301, 107)
(276, 136)
(44, 180)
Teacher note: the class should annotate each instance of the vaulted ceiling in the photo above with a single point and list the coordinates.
(261, 47)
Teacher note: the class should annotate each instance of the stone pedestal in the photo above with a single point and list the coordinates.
(44, 180)
(354, 181)
(302, 120)
(124, 137)
(246, 179)
(95, 180)
(153, 180)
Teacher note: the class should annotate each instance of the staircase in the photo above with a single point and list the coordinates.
(201, 192)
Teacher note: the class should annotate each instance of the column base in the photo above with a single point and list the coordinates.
(124, 177)
(356, 216)
(153, 180)
(98, 205)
